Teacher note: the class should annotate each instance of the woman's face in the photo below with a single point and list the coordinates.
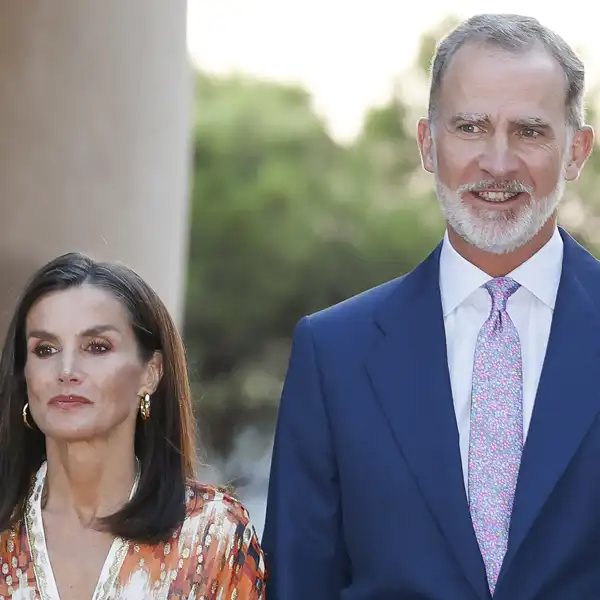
(83, 369)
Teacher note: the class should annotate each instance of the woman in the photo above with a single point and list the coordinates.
(97, 492)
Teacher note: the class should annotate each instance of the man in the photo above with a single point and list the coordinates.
(409, 411)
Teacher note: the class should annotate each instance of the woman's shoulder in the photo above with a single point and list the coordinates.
(214, 548)
(221, 528)
(214, 503)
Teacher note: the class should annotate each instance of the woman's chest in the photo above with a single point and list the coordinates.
(151, 572)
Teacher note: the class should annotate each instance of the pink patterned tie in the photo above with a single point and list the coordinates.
(496, 431)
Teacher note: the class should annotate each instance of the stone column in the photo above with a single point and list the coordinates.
(95, 99)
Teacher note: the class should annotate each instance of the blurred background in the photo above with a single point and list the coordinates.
(254, 161)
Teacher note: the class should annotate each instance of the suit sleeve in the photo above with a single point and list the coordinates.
(302, 540)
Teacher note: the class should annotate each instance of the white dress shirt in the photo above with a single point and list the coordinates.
(466, 306)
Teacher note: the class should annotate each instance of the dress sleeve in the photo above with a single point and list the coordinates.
(230, 561)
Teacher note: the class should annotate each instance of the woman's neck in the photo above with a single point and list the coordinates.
(88, 480)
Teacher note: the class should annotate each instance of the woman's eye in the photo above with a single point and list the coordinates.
(98, 347)
(43, 350)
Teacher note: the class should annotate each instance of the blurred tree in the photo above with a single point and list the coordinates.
(258, 192)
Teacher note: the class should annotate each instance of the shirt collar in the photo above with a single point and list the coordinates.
(540, 274)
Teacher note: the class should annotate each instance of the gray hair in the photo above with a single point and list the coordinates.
(517, 34)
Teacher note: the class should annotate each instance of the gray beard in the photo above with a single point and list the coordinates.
(494, 231)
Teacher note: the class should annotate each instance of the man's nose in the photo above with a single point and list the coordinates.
(498, 159)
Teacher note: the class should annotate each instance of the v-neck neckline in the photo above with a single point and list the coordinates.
(44, 575)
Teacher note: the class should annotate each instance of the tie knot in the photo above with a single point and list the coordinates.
(501, 289)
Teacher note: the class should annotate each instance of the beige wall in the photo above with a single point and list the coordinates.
(95, 100)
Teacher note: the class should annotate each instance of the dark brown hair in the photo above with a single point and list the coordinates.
(165, 444)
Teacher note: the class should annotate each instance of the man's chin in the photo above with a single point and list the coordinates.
(492, 234)
(494, 246)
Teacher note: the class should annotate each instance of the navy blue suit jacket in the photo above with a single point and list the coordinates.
(366, 496)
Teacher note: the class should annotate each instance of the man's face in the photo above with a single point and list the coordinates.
(500, 146)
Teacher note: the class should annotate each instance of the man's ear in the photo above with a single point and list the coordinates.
(426, 146)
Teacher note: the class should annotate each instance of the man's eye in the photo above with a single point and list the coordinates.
(529, 133)
(469, 128)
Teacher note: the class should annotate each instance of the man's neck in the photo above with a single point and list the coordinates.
(499, 265)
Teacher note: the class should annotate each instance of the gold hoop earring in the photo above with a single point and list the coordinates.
(25, 420)
(145, 407)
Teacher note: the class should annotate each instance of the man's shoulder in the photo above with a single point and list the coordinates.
(359, 319)
(359, 307)
(348, 326)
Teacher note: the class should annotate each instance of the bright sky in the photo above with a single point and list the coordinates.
(347, 52)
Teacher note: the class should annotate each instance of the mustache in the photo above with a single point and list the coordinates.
(510, 187)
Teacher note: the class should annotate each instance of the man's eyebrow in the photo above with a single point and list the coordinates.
(481, 118)
(533, 122)
(470, 117)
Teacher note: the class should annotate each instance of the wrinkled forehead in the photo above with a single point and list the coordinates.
(503, 86)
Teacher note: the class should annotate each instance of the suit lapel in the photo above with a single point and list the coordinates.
(409, 372)
(568, 396)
